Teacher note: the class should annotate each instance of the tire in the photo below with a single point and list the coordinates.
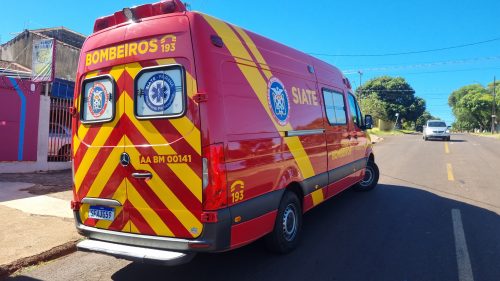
(370, 180)
(425, 138)
(64, 153)
(448, 138)
(288, 225)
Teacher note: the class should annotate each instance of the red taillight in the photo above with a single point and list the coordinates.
(104, 22)
(143, 11)
(209, 217)
(214, 178)
(75, 205)
(140, 12)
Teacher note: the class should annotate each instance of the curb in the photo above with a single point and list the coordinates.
(54, 253)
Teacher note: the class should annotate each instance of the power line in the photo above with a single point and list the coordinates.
(409, 52)
(423, 65)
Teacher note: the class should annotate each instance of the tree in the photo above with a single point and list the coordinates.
(472, 105)
(385, 96)
(422, 120)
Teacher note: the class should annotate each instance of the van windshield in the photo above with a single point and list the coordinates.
(436, 124)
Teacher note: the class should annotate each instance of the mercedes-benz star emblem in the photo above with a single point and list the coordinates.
(124, 159)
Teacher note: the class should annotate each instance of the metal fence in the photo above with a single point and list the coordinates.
(59, 130)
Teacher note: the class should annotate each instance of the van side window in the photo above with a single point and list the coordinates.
(160, 92)
(356, 116)
(334, 107)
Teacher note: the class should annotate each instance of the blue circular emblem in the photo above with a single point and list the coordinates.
(97, 100)
(278, 101)
(159, 92)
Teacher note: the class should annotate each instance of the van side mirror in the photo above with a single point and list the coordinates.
(368, 122)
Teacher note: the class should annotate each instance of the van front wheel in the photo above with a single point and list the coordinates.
(370, 179)
(288, 225)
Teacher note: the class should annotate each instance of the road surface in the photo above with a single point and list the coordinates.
(434, 216)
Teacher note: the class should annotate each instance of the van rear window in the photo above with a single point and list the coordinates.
(97, 100)
(160, 92)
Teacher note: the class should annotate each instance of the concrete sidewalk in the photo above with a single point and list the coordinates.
(36, 221)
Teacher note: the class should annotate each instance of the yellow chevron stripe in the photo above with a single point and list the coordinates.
(94, 148)
(92, 74)
(147, 212)
(133, 69)
(255, 52)
(259, 86)
(84, 212)
(105, 173)
(149, 132)
(165, 194)
(133, 228)
(189, 132)
(317, 197)
(127, 227)
(183, 125)
(120, 195)
(115, 72)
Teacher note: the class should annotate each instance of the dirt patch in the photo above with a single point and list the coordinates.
(54, 253)
(39, 189)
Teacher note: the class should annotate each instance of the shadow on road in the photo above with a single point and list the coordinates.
(391, 233)
(19, 186)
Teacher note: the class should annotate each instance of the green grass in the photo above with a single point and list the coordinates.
(497, 136)
(378, 132)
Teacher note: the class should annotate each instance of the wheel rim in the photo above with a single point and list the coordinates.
(367, 180)
(290, 222)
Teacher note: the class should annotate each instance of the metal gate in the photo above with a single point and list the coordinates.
(60, 121)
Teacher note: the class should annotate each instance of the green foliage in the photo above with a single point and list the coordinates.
(472, 107)
(422, 119)
(385, 96)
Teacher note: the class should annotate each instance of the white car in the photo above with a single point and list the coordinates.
(59, 142)
(436, 129)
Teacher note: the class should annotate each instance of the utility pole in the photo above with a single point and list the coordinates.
(360, 78)
(493, 109)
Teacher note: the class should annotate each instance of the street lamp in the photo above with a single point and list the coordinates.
(493, 108)
(360, 78)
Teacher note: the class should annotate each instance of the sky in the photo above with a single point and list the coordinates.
(352, 35)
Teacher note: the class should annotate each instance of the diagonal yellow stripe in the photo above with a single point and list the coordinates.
(133, 228)
(106, 171)
(115, 72)
(317, 197)
(120, 195)
(165, 194)
(255, 52)
(147, 212)
(94, 148)
(259, 86)
(128, 227)
(162, 147)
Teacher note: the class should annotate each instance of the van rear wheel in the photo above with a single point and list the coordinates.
(287, 227)
(371, 178)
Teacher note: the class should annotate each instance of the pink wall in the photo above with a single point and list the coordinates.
(19, 109)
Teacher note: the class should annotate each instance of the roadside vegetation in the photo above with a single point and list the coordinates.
(472, 106)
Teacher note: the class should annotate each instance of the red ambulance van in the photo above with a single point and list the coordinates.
(194, 135)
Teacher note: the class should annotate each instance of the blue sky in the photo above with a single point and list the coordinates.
(335, 28)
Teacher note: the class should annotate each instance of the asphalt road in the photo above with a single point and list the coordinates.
(434, 216)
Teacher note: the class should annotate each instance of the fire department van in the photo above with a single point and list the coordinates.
(194, 135)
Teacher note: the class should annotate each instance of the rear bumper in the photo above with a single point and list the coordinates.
(437, 135)
(140, 254)
(215, 238)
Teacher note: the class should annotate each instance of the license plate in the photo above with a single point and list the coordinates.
(101, 213)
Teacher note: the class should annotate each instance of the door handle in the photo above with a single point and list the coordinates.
(145, 175)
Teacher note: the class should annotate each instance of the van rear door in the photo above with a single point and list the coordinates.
(98, 145)
(162, 138)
